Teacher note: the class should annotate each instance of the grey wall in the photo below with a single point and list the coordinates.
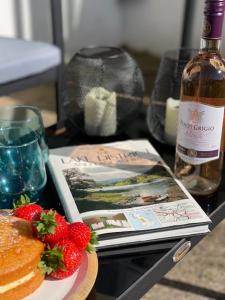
(91, 22)
(153, 25)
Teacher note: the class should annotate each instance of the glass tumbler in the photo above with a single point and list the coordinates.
(26, 117)
(22, 167)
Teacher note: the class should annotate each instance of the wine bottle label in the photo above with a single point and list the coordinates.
(199, 132)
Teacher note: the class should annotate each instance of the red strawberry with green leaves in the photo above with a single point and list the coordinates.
(25, 210)
(50, 226)
(61, 260)
(82, 236)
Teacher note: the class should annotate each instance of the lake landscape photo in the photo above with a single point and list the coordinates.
(102, 187)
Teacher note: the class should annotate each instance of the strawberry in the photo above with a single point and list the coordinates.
(25, 210)
(50, 226)
(82, 236)
(61, 260)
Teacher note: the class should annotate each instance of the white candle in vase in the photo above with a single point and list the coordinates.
(171, 119)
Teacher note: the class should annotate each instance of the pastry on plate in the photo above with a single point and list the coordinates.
(20, 254)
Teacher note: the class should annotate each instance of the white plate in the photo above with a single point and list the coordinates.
(61, 289)
(54, 289)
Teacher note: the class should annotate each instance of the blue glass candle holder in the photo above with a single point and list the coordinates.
(22, 167)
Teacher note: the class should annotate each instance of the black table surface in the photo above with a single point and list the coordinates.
(128, 273)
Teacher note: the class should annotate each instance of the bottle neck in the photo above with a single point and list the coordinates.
(210, 45)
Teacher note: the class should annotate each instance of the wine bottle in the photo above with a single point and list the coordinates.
(200, 137)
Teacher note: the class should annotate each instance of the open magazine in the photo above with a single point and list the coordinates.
(125, 192)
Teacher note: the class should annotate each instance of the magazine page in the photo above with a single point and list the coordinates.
(122, 187)
(149, 217)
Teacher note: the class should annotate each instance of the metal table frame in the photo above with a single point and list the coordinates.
(160, 254)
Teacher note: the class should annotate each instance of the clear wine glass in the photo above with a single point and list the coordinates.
(27, 117)
(22, 167)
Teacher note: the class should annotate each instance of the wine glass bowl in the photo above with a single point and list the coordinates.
(27, 117)
(22, 162)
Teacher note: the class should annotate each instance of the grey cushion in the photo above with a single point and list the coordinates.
(20, 58)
